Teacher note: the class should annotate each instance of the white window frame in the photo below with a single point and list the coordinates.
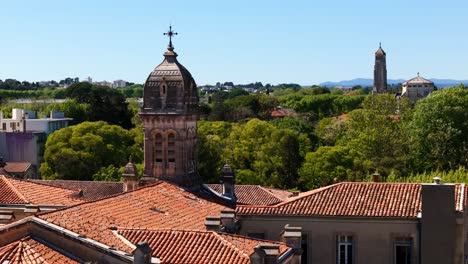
(344, 240)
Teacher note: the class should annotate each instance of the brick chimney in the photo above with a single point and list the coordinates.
(228, 181)
(265, 254)
(292, 237)
(142, 254)
(129, 176)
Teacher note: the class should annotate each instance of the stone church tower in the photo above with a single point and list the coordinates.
(169, 115)
(380, 72)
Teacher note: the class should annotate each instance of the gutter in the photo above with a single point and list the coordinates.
(285, 258)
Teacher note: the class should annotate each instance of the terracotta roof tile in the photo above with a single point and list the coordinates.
(188, 246)
(254, 194)
(92, 190)
(161, 205)
(29, 250)
(16, 191)
(402, 200)
(17, 167)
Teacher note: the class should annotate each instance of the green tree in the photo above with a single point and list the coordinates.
(440, 130)
(105, 104)
(72, 109)
(79, 152)
(211, 143)
(329, 164)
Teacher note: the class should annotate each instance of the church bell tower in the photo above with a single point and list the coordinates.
(169, 115)
(380, 72)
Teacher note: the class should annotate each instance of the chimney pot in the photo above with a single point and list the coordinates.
(376, 176)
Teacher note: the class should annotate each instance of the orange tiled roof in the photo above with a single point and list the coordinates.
(160, 205)
(29, 251)
(188, 246)
(16, 191)
(402, 200)
(92, 190)
(254, 194)
(17, 167)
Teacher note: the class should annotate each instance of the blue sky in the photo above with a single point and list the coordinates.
(272, 41)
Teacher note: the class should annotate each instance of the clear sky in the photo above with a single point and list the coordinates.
(273, 41)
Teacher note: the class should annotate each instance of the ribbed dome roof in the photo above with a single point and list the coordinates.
(170, 87)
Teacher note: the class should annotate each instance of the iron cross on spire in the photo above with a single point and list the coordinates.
(170, 33)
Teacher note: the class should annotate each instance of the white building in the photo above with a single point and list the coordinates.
(417, 88)
(119, 84)
(25, 120)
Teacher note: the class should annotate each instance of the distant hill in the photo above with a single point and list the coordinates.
(441, 83)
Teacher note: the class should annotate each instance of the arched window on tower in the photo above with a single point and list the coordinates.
(171, 150)
(158, 150)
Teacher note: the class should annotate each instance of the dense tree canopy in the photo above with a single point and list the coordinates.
(105, 104)
(79, 152)
(440, 130)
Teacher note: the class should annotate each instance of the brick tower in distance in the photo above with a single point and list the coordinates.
(169, 115)
(380, 72)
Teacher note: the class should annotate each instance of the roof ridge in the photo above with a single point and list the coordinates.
(75, 181)
(104, 198)
(236, 249)
(308, 193)
(43, 184)
(271, 193)
(14, 189)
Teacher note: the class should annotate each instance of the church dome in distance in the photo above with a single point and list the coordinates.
(170, 86)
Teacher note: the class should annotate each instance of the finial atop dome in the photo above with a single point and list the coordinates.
(170, 33)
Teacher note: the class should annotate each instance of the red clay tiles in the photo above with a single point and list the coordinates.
(254, 194)
(188, 246)
(16, 191)
(402, 200)
(17, 167)
(30, 251)
(92, 190)
(161, 205)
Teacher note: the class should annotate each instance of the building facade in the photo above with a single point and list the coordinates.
(380, 72)
(417, 88)
(169, 115)
(356, 222)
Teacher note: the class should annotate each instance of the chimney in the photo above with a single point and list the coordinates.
(229, 222)
(142, 254)
(376, 176)
(265, 254)
(440, 237)
(228, 181)
(292, 237)
(212, 223)
(129, 176)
